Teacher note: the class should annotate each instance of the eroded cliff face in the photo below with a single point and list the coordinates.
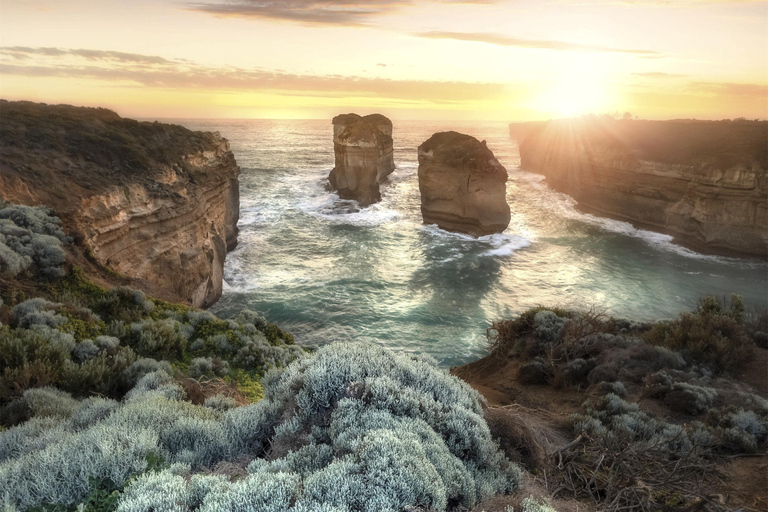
(462, 184)
(703, 182)
(364, 156)
(151, 201)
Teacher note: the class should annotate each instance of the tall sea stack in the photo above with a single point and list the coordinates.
(463, 186)
(364, 156)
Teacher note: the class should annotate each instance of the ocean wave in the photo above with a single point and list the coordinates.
(501, 244)
(331, 208)
(507, 245)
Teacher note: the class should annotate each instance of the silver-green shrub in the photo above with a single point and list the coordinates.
(38, 311)
(353, 427)
(142, 367)
(31, 235)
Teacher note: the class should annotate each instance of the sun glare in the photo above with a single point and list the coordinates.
(580, 88)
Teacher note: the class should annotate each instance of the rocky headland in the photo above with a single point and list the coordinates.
(703, 182)
(150, 201)
(463, 186)
(364, 156)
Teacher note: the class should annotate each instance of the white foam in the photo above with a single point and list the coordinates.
(565, 206)
(329, 207)
(501, 244)
(508, 246)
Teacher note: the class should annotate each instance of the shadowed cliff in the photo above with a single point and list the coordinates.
(704, 182)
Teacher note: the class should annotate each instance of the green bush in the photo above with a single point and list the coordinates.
(708, 338)
(352, 427)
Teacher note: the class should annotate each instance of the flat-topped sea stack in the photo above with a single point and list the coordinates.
(151, 201)
(364, 156)
(703, 182)
(463, 186)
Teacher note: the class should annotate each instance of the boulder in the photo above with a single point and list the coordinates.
(364, 156)
(463, 186)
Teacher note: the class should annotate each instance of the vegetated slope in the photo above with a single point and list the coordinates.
(626, 416)
(144, 199)
(111, 400)
(704, 182)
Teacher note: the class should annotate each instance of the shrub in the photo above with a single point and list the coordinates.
(49, 402)
(352, 427)
(159, 338)
(534, 372)
(86, 349)
(620, 453)
(710, 337)
(38, 311)
(31, 236)
(739, 431)
(220, 403)
(202, 366)
(504, 335)
(142, 367)
(689, 398)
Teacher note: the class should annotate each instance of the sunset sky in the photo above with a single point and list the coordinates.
(508, 60)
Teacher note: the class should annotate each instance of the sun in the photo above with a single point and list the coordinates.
(578, 88)
(571, 99)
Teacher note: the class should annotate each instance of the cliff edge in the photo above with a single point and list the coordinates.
(152, 201)
(703, 182)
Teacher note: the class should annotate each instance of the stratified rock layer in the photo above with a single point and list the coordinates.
(364, 156)
(463, 186)
(152, 201)
(703, 182)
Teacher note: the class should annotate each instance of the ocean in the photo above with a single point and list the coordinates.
(328, 271)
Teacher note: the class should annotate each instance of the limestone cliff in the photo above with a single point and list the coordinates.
(463, 186)
(364, 156)
(151, 201)
(704, 182)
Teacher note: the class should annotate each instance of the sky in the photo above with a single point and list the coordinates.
(507, 60)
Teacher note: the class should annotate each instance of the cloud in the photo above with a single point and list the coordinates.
(24, 52)
(313, 12)
(730, 89)
(657, 74)
(541, 44)
(152, 71)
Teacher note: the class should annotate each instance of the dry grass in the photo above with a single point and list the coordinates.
(197, 390)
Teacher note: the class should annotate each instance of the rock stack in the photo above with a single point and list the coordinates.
(463, 186)
(364, 156)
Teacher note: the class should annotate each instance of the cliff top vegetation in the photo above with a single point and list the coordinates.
(91, 148)
(724, 144)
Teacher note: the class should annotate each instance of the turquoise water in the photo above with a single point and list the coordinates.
(328, 271)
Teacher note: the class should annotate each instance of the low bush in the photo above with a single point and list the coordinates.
(89, 347)
(739, 431)
(353, 427)
(31, 238)
(712, 336)
(622, 458)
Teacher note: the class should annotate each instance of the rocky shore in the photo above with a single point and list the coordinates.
(703, 182)
(151, 201)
